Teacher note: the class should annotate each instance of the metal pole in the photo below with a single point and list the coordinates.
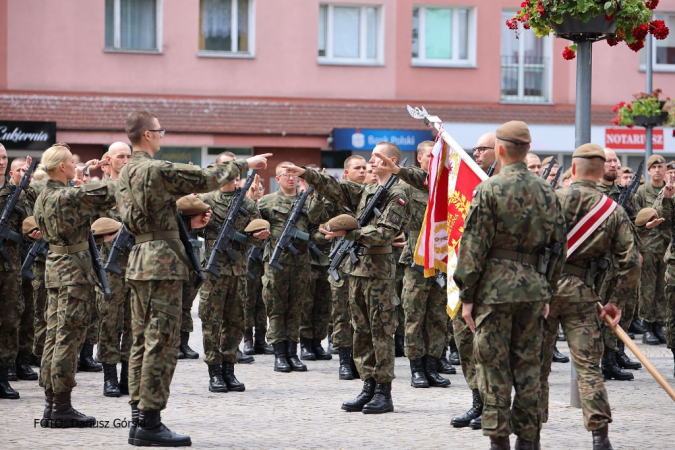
(648, 130)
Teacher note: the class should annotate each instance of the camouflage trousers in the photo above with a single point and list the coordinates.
(91, 337)
(343, 335)
(189, 295)
(27, 324)
(40, 305)
(11, 308)
(400, 272)
(255, 314)
(652, 305)
(114, 344)
(581, 324)
(155, 328)
(284, 292)
(315, 313)
(628, 308)
(373, 305)
(670, 306)
(426, 319)
(507, 346)
(221, 309)
(450, 334)
(464, 341)
(69, 312)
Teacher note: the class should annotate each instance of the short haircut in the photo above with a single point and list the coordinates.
(391, 150)
(589, 166)
(515, 151)
(115, 147)
(348, 161)
(138, 122)
(18, 162)
(278, 168)
(423, 146)
(224, 155)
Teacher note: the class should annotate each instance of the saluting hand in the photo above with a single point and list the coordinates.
(258, 161)
(669, 189)
(26, 166)
(387, 164)
(79, 177)
(294, 170)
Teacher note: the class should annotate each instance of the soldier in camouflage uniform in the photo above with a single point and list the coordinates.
(158, 268)
(513, 217)
(372, 295)
(669, 260)
(574, 303)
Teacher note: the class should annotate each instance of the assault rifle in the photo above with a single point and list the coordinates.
(346, 248)
(290, 232)
(123, 240)
(254, 254)
(227, 233)
(491, 169)
(548, 169)
(631, 188)
(39, 247)
(98, 266)
(554, 181)
(190, 251)
(6, 234)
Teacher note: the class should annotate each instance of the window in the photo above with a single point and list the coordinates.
(526, 66)
(226, 28)
(133, 25)
(663, 53)
(443, 36)
(350, 35)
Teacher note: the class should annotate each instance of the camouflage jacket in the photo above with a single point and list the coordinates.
(220, 206)
(614, 236)
(15, 221)
(665, 207)
(318, 206)
(63, 215)
(518, 211)
(417, 191)
(657, 239)
(155, 185)
(379, 232)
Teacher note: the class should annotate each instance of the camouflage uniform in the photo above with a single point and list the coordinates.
(221, 304)
(400, 273)
(514, 211)
(40, 305)
(27, 324)
(158, 266)
(255, 314)
(284, 291)
(574, 304)
(372, 295)
(63, 215)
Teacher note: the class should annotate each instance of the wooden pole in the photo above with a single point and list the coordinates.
(638, 353)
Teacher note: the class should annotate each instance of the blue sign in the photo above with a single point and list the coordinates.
(367, 139)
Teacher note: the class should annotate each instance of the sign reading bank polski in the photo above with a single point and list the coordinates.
(366, 139)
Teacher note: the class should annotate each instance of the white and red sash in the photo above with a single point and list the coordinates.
(589, 223)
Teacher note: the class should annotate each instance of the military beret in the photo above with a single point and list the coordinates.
(104, 226)
(29, 224)
(515, 132)
(567, 174)
(547, 161)
(655, 159)
(626, 170)
(645, 215)
(670, 165)
(343, 222)
(588, 151)
(257, 225)
(191, 205)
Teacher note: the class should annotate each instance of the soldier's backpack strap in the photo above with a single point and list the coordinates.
(589, 223)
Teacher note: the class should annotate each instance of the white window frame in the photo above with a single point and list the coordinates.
(235, 53)
(422, 61)
(657, 67)
(362, 60)
(117, 33)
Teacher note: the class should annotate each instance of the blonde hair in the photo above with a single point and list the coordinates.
(54, 156)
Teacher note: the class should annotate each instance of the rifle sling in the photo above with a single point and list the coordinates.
(68, 249)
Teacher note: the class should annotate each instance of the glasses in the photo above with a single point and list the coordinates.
(287, 175)
(161, 132)
(481, 150)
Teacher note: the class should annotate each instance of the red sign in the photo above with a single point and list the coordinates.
(631, 139)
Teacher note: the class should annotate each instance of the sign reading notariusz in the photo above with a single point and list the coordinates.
(366, 139)
(27, 135)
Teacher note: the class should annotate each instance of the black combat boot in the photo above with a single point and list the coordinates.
(623, 360)
(475, 411)
(35, 361)
(228, 375)
(610, 368)
(355, 371)
(600, 439)
(345, 369)
(453, 357)
(260, 345)
(280, 357)
(331, 350)
(293, 361)
(636, 326)
(418, 379)
(185, 348)
(151, 432)
(111, 387)
(45, 422)
(124, 378)
(399, 348)
(500, 443)
(477, 423)
(559, 357)
(649, 337)
(6, 390)
(319, 352)
(11, 373)
(65, 416)
(306, 350)
(23, 369)
(134, 423)
(248, 342)
(522, 444)
(435, 380)
(659, 332)
(444, 366)
(365, 396)
(87, 363)
(381, 402)
(216, 382)
(181, 355)
(244, 359)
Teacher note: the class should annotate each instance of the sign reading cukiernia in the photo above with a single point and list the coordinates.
(27, 135)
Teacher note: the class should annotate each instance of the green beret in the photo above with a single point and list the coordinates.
(670, 165)
(29, 225)
(191, 205)
(589, 151)
(515, 132)
(626, 170)
(645, 215)
(343, 222)
(104, 226)
(257, 225)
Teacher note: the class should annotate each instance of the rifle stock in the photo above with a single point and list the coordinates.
(191, 252)
(290, 232)
(39, 247)
(123, 240)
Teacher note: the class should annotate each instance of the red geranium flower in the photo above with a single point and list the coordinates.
(651, 4)
(659, 29)
(609, 18)
(568, 54)
(612, 42)
(640, 33)
(636, 46)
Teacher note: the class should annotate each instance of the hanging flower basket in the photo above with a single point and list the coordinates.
(647, 110)
(596, 28)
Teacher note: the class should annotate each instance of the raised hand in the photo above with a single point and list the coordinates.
(386, 163)
(294, 170)
(258, 161)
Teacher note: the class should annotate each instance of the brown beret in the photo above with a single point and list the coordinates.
(626, 170)
(567, 174)
(670, 165)
(547, 161)
(515, 132)
(104, 226)
(588, 151)
(191, 205)
(655, 159)
(343, 222)
(257, 225)
(29, 224)
(644, 216)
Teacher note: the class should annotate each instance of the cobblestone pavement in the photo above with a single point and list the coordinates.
(302, 410)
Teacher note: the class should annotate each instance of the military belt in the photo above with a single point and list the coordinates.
(514, 256)
(385, 250)
(68, 249)
(577, 271)
(157, 236)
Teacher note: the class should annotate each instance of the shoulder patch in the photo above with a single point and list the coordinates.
(401, 201)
